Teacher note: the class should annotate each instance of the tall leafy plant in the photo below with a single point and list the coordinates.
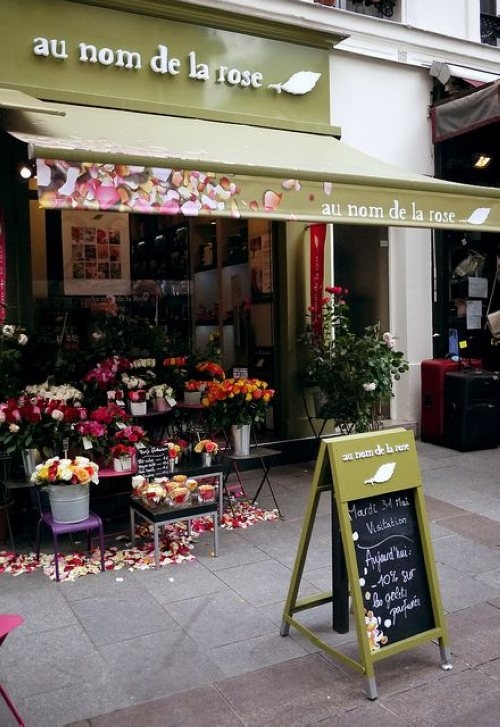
(355, 372)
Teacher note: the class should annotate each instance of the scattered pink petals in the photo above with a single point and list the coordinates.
(175, 547)
(272, 200)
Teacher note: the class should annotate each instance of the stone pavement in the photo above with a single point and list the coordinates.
(199, 643)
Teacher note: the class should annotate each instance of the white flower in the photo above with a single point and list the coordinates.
(22, 339)
(387, 336)
(133, 382)
(391, 343)
(160, 391)
(57, 414)
(370, 387)
(138, 481)
(13, 428)
(8, 331)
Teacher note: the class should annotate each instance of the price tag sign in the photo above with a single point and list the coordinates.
(152, 462)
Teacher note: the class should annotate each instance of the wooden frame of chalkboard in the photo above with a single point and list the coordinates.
(381, 546)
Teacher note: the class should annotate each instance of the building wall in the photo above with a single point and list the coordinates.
(455, 18)
(380, 98)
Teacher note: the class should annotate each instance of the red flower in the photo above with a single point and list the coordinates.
(130, 434)
(122, 450)
(138, 395)
(109, 414)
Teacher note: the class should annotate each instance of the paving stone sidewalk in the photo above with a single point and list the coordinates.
(199, 643)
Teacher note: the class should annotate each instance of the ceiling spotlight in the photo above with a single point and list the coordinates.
(27, 169)
(481, 161)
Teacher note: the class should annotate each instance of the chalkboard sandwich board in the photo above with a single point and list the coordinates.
(381, 529)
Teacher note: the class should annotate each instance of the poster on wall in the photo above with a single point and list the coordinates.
(96, 253)
(260, 260)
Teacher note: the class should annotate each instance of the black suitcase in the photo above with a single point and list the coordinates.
(472, 410)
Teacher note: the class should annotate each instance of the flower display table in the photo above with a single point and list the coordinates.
(160, 515)
(265, 456)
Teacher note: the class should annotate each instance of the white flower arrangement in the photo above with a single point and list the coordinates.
(161, 391)
(63, 392)
(133, 382)
(10, 331)
(55, 470)
(143, 363)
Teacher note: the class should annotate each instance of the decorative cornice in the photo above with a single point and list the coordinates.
(224, 19)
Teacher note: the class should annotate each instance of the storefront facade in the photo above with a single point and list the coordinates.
(245, 113)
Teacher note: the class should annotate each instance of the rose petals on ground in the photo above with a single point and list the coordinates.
(175, 547)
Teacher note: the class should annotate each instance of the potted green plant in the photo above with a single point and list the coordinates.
(354, 372)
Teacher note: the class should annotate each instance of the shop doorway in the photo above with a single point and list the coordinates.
(361, 264)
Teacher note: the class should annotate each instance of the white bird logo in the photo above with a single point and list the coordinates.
(298, 84)
(383, 474)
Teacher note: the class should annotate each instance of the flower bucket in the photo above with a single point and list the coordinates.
(69, 503)
(192, 397)
(122, 464)
(138, 408)
(30, 458)
(206, 459)
(240, 439)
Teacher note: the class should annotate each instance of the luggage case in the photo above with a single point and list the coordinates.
(472, 410)
(433, 372)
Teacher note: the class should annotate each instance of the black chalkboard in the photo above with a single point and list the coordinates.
(390, 560)
(152, 461)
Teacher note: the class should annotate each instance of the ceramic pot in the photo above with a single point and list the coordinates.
(138, 408)
(192, 397)
(160, 404)
(122, 464)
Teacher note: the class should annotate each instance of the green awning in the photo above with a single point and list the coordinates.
(12, 99)
(246, 171)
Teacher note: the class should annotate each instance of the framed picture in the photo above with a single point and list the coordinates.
(96, 253)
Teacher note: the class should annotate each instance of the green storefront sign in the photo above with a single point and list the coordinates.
(68, 51)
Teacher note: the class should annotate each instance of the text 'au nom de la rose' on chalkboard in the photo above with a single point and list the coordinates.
(392, 574)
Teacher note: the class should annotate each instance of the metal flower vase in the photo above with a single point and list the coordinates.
(30, 459)
(69, 503)
(240, 439)
(206, 459)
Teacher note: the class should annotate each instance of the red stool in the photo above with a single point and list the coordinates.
(9, 622)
